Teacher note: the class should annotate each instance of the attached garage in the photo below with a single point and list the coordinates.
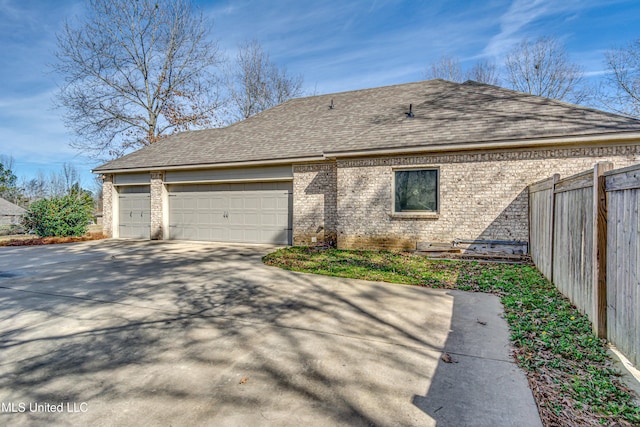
(256, 212)
(134, 212)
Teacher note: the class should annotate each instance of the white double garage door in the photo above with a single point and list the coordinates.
(257, 212)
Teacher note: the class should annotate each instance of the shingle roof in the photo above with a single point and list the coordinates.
(444, 113)
(8, 208)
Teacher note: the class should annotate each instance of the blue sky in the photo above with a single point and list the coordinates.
(336, 45)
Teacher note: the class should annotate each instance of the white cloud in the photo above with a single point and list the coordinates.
(339, 45)
(526, 19)
(513, 22)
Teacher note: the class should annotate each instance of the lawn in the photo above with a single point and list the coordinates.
(569, 370)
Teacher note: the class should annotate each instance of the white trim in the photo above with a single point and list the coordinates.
(144, 184)
(165, 212)
(215, 165)
(467, 146)
(230, 181)
(618, 137)
(414, 214)
(115, 212)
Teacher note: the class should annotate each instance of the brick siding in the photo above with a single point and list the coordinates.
(156, 205)
(107, 204)
(314, 203)
(482, 195)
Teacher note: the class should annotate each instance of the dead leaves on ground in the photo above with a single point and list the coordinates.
(447, 358)
(36, 241)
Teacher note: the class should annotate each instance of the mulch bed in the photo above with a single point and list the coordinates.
(36, 241)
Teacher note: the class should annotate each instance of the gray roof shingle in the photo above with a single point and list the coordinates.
(444, 113)
(8, 208)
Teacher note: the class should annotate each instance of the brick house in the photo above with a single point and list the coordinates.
(10, 214)
(387, 167)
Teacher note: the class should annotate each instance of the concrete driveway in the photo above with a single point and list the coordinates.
(168, 333)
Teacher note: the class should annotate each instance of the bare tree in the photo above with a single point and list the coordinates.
(70, 177)
(56, 186)
(57, 183)
(96, 192)
(621, 91)
(447, 68)
(35, 188)
(135, 71)
(255, 83)
(543, 68)
(484, 72)
(61, 182)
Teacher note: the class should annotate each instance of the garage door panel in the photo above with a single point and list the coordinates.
(204, 218)
(274, 235)
(252, 202)
(186, 233)
(236, 202)
(203, 203)
(134, 215)
(245, 213)
(272, 220)
(237, 234)
(284, 203)
(250, 218)
(217, 234)
(270, 203)
(236, 220)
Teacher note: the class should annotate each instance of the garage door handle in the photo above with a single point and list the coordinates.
(130, 214)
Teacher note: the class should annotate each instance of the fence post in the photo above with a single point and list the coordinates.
(552, 226)
(599, 261)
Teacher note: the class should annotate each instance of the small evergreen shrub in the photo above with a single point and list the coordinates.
(63, 216)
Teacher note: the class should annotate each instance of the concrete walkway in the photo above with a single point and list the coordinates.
(151, 333)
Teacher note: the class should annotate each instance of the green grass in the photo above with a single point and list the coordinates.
(568, 367)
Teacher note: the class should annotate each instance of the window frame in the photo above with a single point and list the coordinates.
(415, 214)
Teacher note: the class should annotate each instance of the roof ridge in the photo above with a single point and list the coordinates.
(555, 101)
(368, 89)
(373, 118)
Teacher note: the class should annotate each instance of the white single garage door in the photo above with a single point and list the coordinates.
(134, 207)
(243, 213)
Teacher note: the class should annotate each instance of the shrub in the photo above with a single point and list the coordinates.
(60, 216)
(9, 229)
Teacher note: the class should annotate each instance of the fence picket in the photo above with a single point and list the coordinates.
(586, 239)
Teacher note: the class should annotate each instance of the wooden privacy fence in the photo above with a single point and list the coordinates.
(585, 238)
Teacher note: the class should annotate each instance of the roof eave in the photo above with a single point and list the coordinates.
(617, 137)
(266, 162)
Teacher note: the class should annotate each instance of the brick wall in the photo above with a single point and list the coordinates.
(314, 203)
(107, 204)
(156, 205)
(482, 195)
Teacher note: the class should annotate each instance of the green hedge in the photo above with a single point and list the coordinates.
(60, 216)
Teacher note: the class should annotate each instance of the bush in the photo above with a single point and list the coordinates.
(60, 216)
(9, 229)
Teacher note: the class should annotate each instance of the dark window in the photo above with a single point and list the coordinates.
(416, 190)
